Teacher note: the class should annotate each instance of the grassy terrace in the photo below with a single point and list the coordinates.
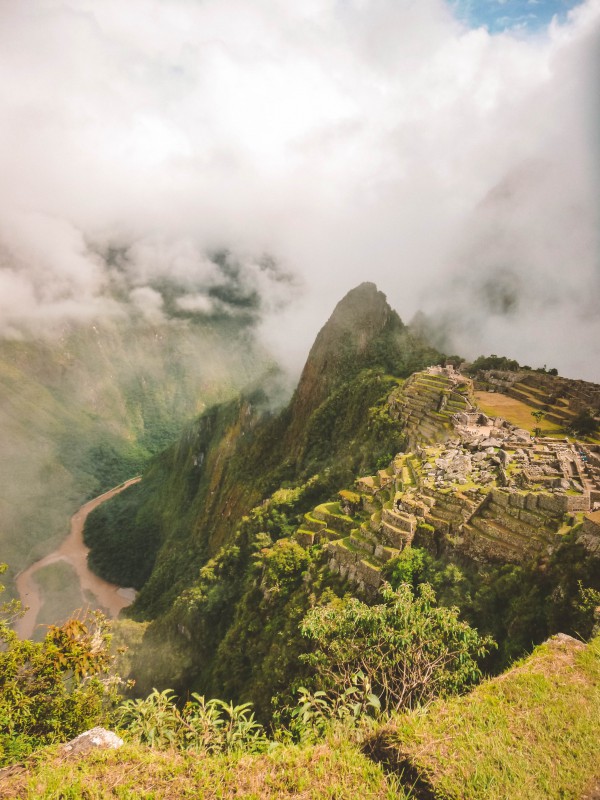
(531, 733)
(494, 404)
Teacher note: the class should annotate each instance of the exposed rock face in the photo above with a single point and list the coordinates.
(94, 739)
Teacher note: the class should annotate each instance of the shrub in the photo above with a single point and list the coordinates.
(408, 648)
(315, 711)
(53, 690)
(209, 726)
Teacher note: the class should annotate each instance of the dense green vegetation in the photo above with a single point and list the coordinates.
(122, 551)
(54, 689)
(518, 605)
(225, 463)
(493, 362)
(407, 648)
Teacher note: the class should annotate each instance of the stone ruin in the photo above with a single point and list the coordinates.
(477, 484)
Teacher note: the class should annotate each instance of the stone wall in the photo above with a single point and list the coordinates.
(590, 532)
(550, 504)
(352, 565)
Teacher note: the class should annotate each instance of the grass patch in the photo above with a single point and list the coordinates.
(494, 404)
(334, 769)
(531, 733)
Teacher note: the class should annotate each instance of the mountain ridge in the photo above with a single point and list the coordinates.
(236, 477)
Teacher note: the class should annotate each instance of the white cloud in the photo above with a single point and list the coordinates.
(196, 302)
(351, 141)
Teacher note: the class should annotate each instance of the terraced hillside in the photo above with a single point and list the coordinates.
(473, 484)
(560, 399)
(424, 406)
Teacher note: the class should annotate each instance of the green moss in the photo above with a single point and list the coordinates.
(351, 497)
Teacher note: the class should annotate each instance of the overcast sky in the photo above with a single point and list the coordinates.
(446, 151)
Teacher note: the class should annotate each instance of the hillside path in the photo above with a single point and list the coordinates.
(109, 597)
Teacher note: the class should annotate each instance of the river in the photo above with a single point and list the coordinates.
(109, 597)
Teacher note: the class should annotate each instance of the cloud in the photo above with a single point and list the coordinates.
(261, 159)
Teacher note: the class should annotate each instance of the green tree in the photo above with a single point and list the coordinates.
(408, 648)
(585, 424)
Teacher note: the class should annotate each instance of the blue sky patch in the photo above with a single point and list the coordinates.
(500, 15)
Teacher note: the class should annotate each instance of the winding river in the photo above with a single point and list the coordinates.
(109, 597)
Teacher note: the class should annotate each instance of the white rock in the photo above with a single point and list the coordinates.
(94, 739)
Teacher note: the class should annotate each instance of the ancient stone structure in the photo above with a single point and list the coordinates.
(590, 532)
(469, 482)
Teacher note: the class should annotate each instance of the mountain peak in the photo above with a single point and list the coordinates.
(361, 328)
(362, 308)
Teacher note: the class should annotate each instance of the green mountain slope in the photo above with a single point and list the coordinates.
(244, 526)
(236, 454)
(82, 412)
(199, 494)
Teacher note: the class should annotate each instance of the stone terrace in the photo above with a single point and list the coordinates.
(469, 482)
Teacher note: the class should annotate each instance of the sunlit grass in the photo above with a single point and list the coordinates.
(334, 769)
(494, 404)
(531, 733)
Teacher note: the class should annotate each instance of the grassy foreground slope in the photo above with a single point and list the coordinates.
(530, 733)
(333, 769)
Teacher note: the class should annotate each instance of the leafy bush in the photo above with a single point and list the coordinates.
(315, 711)
(209, 726)
(53, 690)
(408, 648)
